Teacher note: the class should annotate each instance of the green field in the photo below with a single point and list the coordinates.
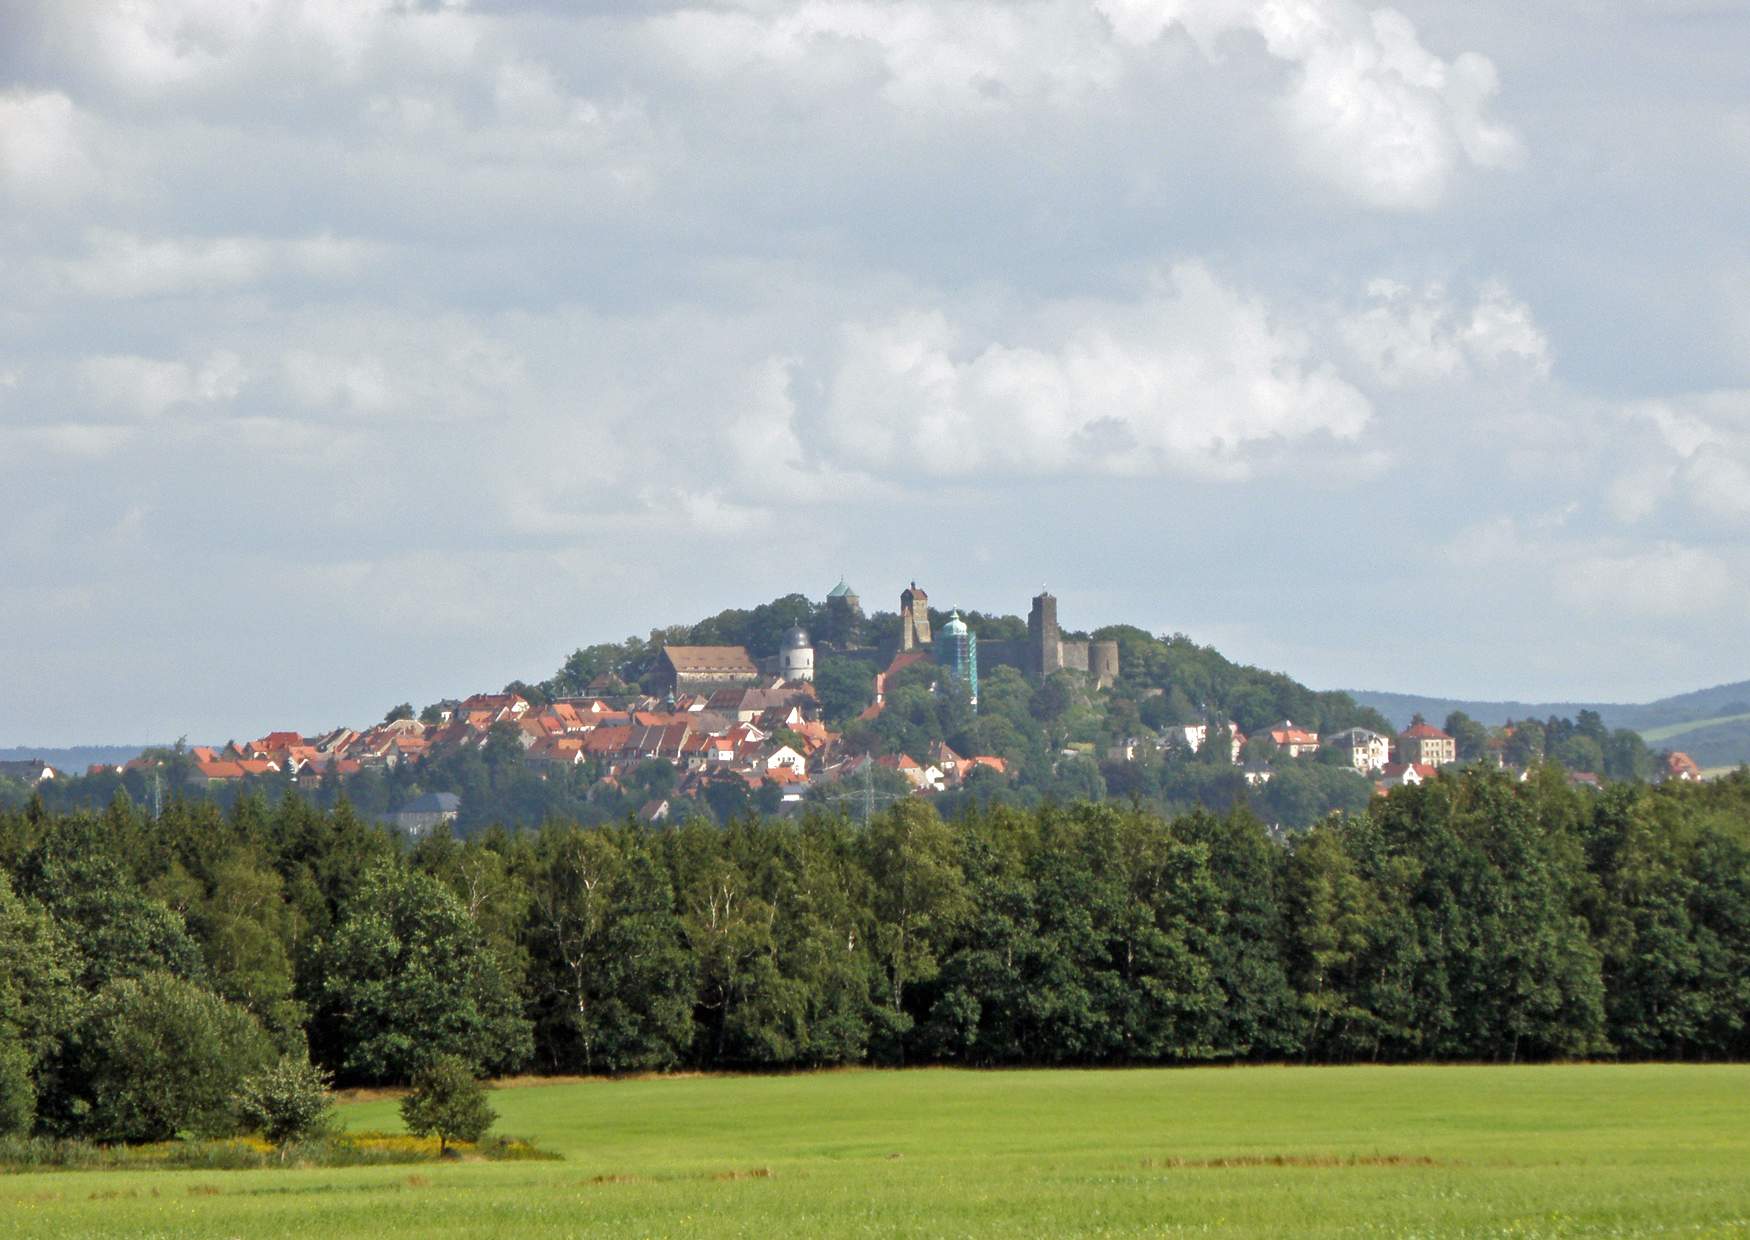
(1673, 730)
(1542, 1151)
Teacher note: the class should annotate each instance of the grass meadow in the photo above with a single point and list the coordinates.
(1419, 1151)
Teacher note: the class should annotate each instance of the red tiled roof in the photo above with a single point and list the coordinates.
(1396, 770)
(607, 740)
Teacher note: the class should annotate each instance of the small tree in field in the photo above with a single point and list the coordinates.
(448, 1101)
(288, 1102)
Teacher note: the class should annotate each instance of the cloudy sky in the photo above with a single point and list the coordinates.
(360, 351)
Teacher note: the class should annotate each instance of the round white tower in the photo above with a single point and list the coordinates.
(796, 656)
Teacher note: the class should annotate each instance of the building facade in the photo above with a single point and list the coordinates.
(796, 656)
(696, 669)
(1426, 744)
(1366, 750)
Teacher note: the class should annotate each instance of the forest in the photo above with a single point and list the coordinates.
(148, 963)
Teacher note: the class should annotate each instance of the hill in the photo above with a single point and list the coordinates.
(74, 761)
(1714, 721)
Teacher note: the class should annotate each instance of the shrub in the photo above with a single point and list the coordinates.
(448, 1101)
(156, 1055)
(288, 1102)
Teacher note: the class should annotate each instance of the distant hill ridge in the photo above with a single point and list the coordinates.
(73, 761)
(1730, 699)
(1711, 725)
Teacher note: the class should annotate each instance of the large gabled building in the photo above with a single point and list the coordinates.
(696, 669)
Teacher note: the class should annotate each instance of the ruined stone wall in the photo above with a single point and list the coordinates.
(1103, 663)
(1008, 653)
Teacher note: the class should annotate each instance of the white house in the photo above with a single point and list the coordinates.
(1367, 750)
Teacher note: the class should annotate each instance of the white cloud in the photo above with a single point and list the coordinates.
(150, 386)
(1195, 379)
(1415, 336)
(698, 279)
(1665, 581)
(1704, 462)
(20, 446)
(159, 45)
(1599, 577)
(1372, 111)
(124, 265)
(1370, 108)
(919, 56)
(43, 156)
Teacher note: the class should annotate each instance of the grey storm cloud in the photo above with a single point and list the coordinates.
(357, 351)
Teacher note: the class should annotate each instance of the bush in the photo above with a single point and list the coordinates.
(448, 1101)
(156, 1055)
(288, 1102)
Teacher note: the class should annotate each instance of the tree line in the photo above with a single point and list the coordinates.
(148, 964)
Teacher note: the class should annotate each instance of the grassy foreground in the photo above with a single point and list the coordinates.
(1540, 1151)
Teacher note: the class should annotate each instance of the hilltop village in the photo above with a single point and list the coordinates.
(823, 703)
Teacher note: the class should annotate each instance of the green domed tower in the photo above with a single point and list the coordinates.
(957, 651)
(844, 616)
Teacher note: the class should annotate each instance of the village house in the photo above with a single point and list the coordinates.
(1427, 745)
(1403, 774)
(424, 813)
(1192, 737)
(30, 771)
(1680, 766)
(1291, 740)
(1366, 750)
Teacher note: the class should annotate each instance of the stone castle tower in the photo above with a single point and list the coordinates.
(1044, 638)
(1048, 652)
(844, 616)
(914, 618)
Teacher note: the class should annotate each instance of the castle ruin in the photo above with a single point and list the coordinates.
(1046, 650)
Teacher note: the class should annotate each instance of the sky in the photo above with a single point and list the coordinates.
(355, 352)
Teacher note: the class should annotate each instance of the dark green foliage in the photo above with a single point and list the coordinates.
(408, 976)
(845, 687)
(17, 1086)
(156, 1055)
(613, 981)
(38, 967)
(78, 873)
(1472, 918)
(447, 1102)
